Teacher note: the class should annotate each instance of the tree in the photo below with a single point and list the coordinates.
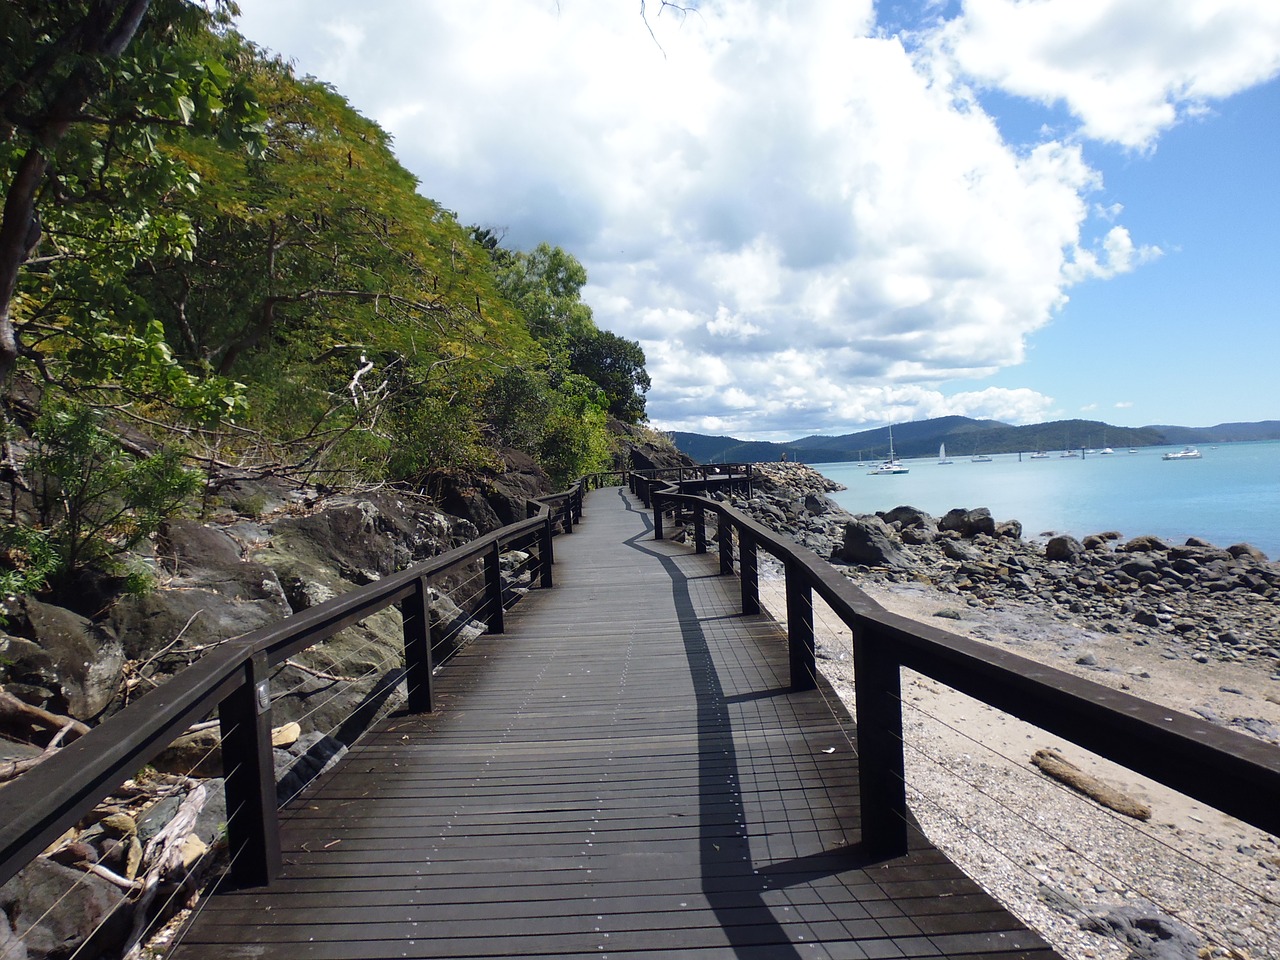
(89, 89)
(617, 366)
(545, 285)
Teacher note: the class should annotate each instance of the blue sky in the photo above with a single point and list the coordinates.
(822, 216)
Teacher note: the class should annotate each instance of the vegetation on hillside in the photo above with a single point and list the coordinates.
(229, 258)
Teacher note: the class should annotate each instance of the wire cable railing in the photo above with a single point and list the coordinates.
(442, 602)
(818, 605)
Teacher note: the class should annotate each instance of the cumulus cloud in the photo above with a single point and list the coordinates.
(807, 224)
(1126, 69)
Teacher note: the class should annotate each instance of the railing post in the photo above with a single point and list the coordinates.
(699, 529)
(415, 612)
(577, 505)
(800, 628)
(881, 770)
(749, 572)
(546, 554)
(724, 535)
(657, 516)
(248, 765)
(496, 620)
(566, 514)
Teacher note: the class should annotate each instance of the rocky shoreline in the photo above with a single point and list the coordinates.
(1192, 626)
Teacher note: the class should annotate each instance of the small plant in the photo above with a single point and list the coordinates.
(95, 501)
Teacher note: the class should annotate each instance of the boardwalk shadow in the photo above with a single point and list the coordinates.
(733, 887)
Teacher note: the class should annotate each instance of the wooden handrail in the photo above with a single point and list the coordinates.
(1232, 772)
(42, 804)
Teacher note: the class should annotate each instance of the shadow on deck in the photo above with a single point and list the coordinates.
(623, 772)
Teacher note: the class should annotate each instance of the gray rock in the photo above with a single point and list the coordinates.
(1247, 550)
(86, 658)
(868, 540)
(1150, 934)
(968, 523)
(1144, 544)
(1063, 548)
(71, 910)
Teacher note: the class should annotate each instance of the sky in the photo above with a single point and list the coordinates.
(822, 216)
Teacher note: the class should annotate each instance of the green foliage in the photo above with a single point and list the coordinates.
(88, 106)
(545, 285)
(95, 501)
(234, 251)
(617, 366)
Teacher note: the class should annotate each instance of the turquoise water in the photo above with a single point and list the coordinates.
(1231, 495)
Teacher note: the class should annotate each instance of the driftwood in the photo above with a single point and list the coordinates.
(162, 856)
(1055, 765)
(15, 713)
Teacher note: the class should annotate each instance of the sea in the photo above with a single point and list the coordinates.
(1230, 495)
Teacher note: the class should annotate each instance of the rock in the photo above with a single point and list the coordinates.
(959, 550)
(868, 541)
(150, 624)
(69, 910)
(968, 523)
(906, 516)
(1144, 544)
(1063, 548)
(87, 659)
(1247, 551)
(1009, 530)
(1150, 934)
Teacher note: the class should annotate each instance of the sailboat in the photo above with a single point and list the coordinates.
(942, 455)
(892, 465)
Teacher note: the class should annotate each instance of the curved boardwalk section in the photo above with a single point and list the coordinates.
(623, 773)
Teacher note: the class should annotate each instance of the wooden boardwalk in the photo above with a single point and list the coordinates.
(623, 773)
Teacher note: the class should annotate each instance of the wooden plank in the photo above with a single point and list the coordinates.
(625, 771)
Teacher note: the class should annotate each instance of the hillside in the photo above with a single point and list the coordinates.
(965, 437)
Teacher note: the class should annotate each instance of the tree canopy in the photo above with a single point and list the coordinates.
(198, 238)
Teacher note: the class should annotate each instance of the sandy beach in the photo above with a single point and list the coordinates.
(1052, 856)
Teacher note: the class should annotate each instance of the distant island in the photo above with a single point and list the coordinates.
(965, 437)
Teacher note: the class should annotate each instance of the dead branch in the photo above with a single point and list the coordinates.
(162, 855)
(12, 769)
(15, 712)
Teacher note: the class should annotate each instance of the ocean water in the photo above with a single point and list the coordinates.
(1231, 495)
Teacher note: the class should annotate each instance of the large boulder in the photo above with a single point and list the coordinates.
(62, 911)
(869, 541)
(1063, 548)
(85, 660)
(969, 523)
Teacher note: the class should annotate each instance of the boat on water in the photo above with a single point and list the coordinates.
(1105, 451)
(1068, 455)
(1186, 453)
(1040, 455)
(981, 458)
(890, 466)
(942, 455)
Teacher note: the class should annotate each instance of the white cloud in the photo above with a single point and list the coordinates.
(1127, 69)
(806, 225)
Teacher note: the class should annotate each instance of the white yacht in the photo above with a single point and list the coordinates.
(1186, 453)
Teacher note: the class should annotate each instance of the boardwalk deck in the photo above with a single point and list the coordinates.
(624, 772)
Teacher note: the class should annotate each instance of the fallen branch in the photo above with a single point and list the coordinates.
(1055, 765)
(14, 768)
(320, 673)
(13, 711)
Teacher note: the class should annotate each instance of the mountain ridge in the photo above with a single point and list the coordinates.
(965, 437)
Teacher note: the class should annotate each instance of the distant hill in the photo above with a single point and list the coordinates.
(964, 437)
